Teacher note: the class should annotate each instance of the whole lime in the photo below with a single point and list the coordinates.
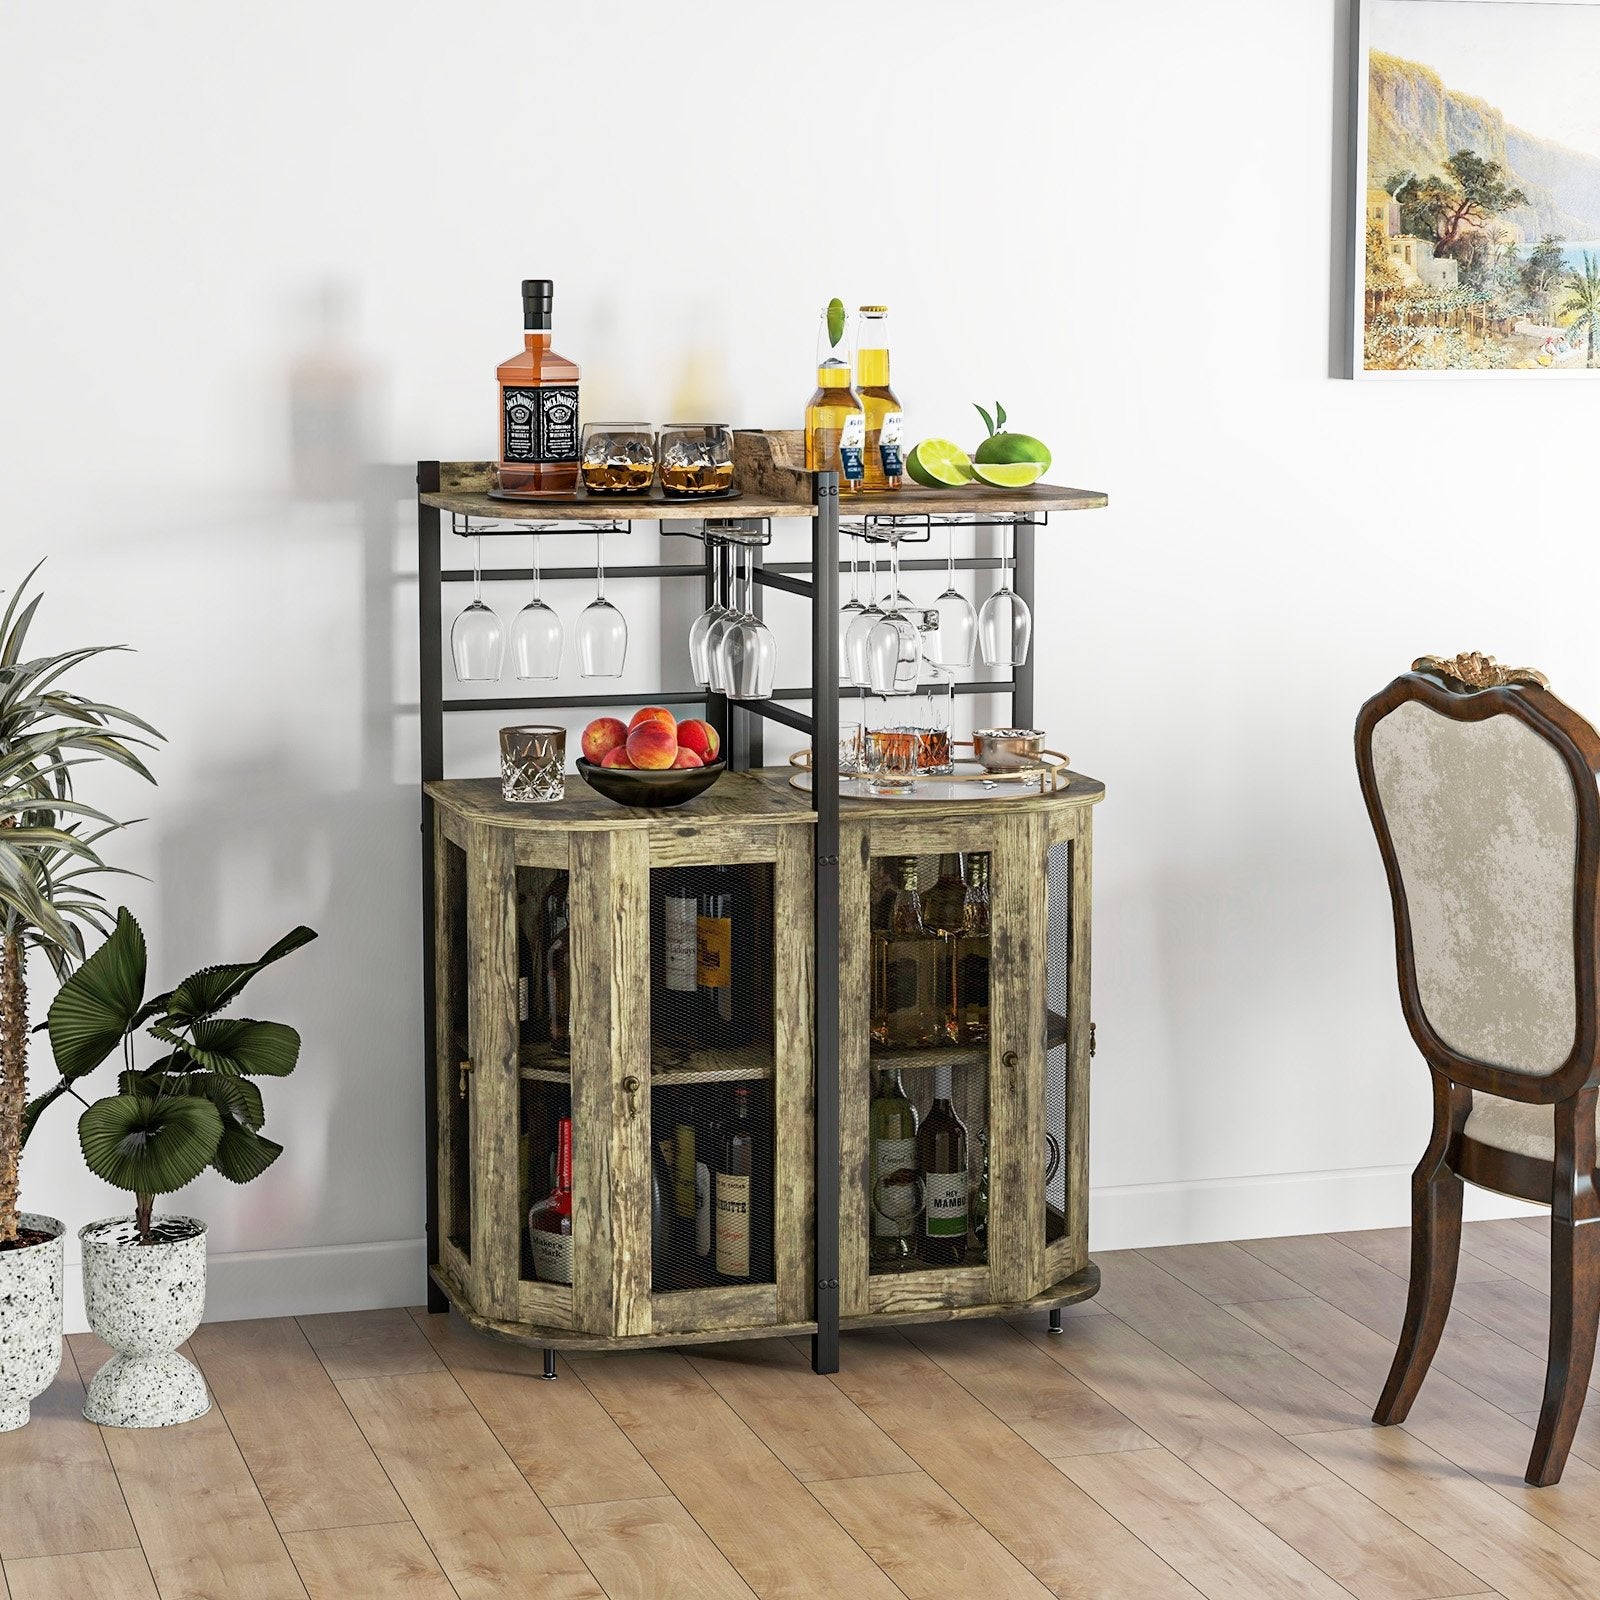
(1001, 447)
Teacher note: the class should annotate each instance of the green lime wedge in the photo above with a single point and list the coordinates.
(939, 464)
(835, 320)
(1008, 474)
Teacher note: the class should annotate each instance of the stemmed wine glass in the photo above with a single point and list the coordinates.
(1005, 624)
(749, 651)
(952, 642)
(700, 630)
(477, 640)
(894, 648)
(602, 629)
(849, 611)
(536, 633)
(856, 658)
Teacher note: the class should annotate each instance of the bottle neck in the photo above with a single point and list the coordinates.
(564, 1156)
(943, 1085)
(889, 1082)
(832, 374)
(535, 338)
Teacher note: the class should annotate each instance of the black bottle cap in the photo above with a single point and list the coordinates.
(537, 295)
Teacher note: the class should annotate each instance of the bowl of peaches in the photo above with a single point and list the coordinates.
(652, 759)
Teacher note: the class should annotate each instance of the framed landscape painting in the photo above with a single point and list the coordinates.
(1476, 205)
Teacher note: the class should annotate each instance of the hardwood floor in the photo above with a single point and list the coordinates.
(1199, 1429)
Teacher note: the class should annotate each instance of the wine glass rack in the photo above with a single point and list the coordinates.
(803, 1080)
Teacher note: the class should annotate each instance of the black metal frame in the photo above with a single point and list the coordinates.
(742, 739)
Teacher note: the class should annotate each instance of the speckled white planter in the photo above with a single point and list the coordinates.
(144, 1300)
(30, 1320)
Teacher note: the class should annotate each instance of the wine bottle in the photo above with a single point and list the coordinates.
(725, 959)
(660, 1214)
(675, 999)
(942, 1160)
(893, 1160)
(908, 958)
(741, 1189)
(967, 1016)
(558, 971)
(550, 1219)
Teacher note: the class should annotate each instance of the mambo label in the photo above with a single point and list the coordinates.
(541, 424)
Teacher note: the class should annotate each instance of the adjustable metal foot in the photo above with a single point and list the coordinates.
(549, 1366)
(1055, 1320)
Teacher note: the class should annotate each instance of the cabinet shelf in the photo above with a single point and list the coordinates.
(747, 1064)
(950, 1055)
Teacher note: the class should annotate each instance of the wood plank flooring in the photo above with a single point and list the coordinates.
(1199, 1429)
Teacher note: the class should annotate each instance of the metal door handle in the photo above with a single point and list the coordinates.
(463, 1067)
(631, 1085)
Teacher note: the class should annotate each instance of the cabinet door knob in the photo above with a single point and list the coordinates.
(1009, 1060)
(463, 1067)
(631, 1085)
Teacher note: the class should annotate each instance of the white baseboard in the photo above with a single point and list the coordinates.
(282, 1283)
(1138, 1215)
(361, 1277)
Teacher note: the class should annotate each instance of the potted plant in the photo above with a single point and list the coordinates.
(47, 850)
(195, 1107)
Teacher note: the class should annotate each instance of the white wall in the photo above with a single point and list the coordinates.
(1118, 217)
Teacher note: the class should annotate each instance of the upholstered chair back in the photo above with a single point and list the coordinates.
(1483, 819)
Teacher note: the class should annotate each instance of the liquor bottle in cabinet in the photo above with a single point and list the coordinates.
(557, 968)
(676, 1004)
(539, 438)
(881, 465)
(892, 1161)
(908, 959)
(741, 1190)
(942, 908)
(726, 959)
(527, 989)
(942, 1161)
(836, 426)
(550, 1219)
(967, 1017)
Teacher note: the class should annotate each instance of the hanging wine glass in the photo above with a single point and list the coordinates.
(1005, 624)
(700, 629)
(536, 633)
(952, 642)
(861, 628)
(717, 634)
(602, 629)
(849, 611)
(477, 640)
(750, 652)
(894, 647)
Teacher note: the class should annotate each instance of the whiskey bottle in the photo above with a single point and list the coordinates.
(907, 960)
(894, 1201)
(550, 1219)
(736, 1195)
(836, 426)
(881, 463)
(967, 1019)
(942, 1160)
(539, 438)
(943, 908)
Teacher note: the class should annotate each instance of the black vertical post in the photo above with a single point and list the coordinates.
(716, 594)
(825, 796)
(430, 628)
(1023, 582)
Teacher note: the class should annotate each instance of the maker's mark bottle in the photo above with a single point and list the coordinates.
(539, 438)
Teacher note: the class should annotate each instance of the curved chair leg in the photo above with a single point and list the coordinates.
(1574, 1290)
(1435, 1253)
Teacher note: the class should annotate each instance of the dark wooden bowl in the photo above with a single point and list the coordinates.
(668, 786)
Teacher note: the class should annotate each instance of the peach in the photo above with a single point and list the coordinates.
(686, 758)
(602, 736)
(616, 756)
(700, 737)
(654, 714)
(652, 745)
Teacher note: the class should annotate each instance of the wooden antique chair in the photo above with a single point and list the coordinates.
(1481, 788)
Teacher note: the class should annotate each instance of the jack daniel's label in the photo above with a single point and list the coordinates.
(540, 424)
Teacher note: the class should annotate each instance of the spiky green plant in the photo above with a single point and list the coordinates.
(193, 1108)
(48, 841)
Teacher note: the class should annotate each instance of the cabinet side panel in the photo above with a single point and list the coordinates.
(1075, 1158)
(794, 1068)
(495, 1086)
(855, 1088)
(1017, 1060)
